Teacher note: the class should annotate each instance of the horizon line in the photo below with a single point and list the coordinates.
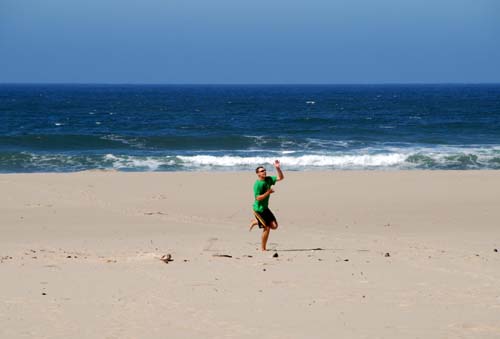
(246, 84)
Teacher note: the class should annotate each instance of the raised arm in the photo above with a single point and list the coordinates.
(277, 165)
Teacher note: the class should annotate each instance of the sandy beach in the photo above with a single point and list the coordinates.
(368, 254)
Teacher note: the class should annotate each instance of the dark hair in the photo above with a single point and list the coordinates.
(258, 168)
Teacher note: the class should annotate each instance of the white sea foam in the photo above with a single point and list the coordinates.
(134, 162)
(384, 157)
(326, 144)
(389, 157)
(366, 159)
(332, 161)
(126, 141)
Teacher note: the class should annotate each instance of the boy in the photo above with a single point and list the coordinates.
(262, 191)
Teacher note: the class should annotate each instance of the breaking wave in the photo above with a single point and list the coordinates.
(366, 159)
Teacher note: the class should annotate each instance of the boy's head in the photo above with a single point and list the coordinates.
(261, 172)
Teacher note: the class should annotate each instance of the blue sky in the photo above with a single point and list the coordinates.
(257, 41)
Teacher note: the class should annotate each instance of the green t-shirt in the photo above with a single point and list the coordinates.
(261, 187)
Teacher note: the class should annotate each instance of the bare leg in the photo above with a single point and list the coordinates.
(265, 236)
(253, 223)
(274, 225)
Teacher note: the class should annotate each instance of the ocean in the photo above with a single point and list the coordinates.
(65, 128)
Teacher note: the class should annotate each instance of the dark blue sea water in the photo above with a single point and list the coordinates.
(181, 128)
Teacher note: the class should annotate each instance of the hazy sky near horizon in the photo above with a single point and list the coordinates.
(257, 41)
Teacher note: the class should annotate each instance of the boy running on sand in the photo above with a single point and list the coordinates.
(262, 191)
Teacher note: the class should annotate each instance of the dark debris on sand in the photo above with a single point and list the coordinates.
(166, 258)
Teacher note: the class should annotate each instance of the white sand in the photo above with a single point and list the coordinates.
(91, 241)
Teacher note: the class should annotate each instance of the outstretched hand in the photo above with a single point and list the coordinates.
(277, 163)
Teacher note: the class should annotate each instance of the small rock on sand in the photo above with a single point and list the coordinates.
(166, 258)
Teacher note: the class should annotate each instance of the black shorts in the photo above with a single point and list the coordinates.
(264, 218)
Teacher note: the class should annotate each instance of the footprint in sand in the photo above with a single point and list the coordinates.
(210, 244)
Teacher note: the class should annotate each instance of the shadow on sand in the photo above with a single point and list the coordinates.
(314, 249)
